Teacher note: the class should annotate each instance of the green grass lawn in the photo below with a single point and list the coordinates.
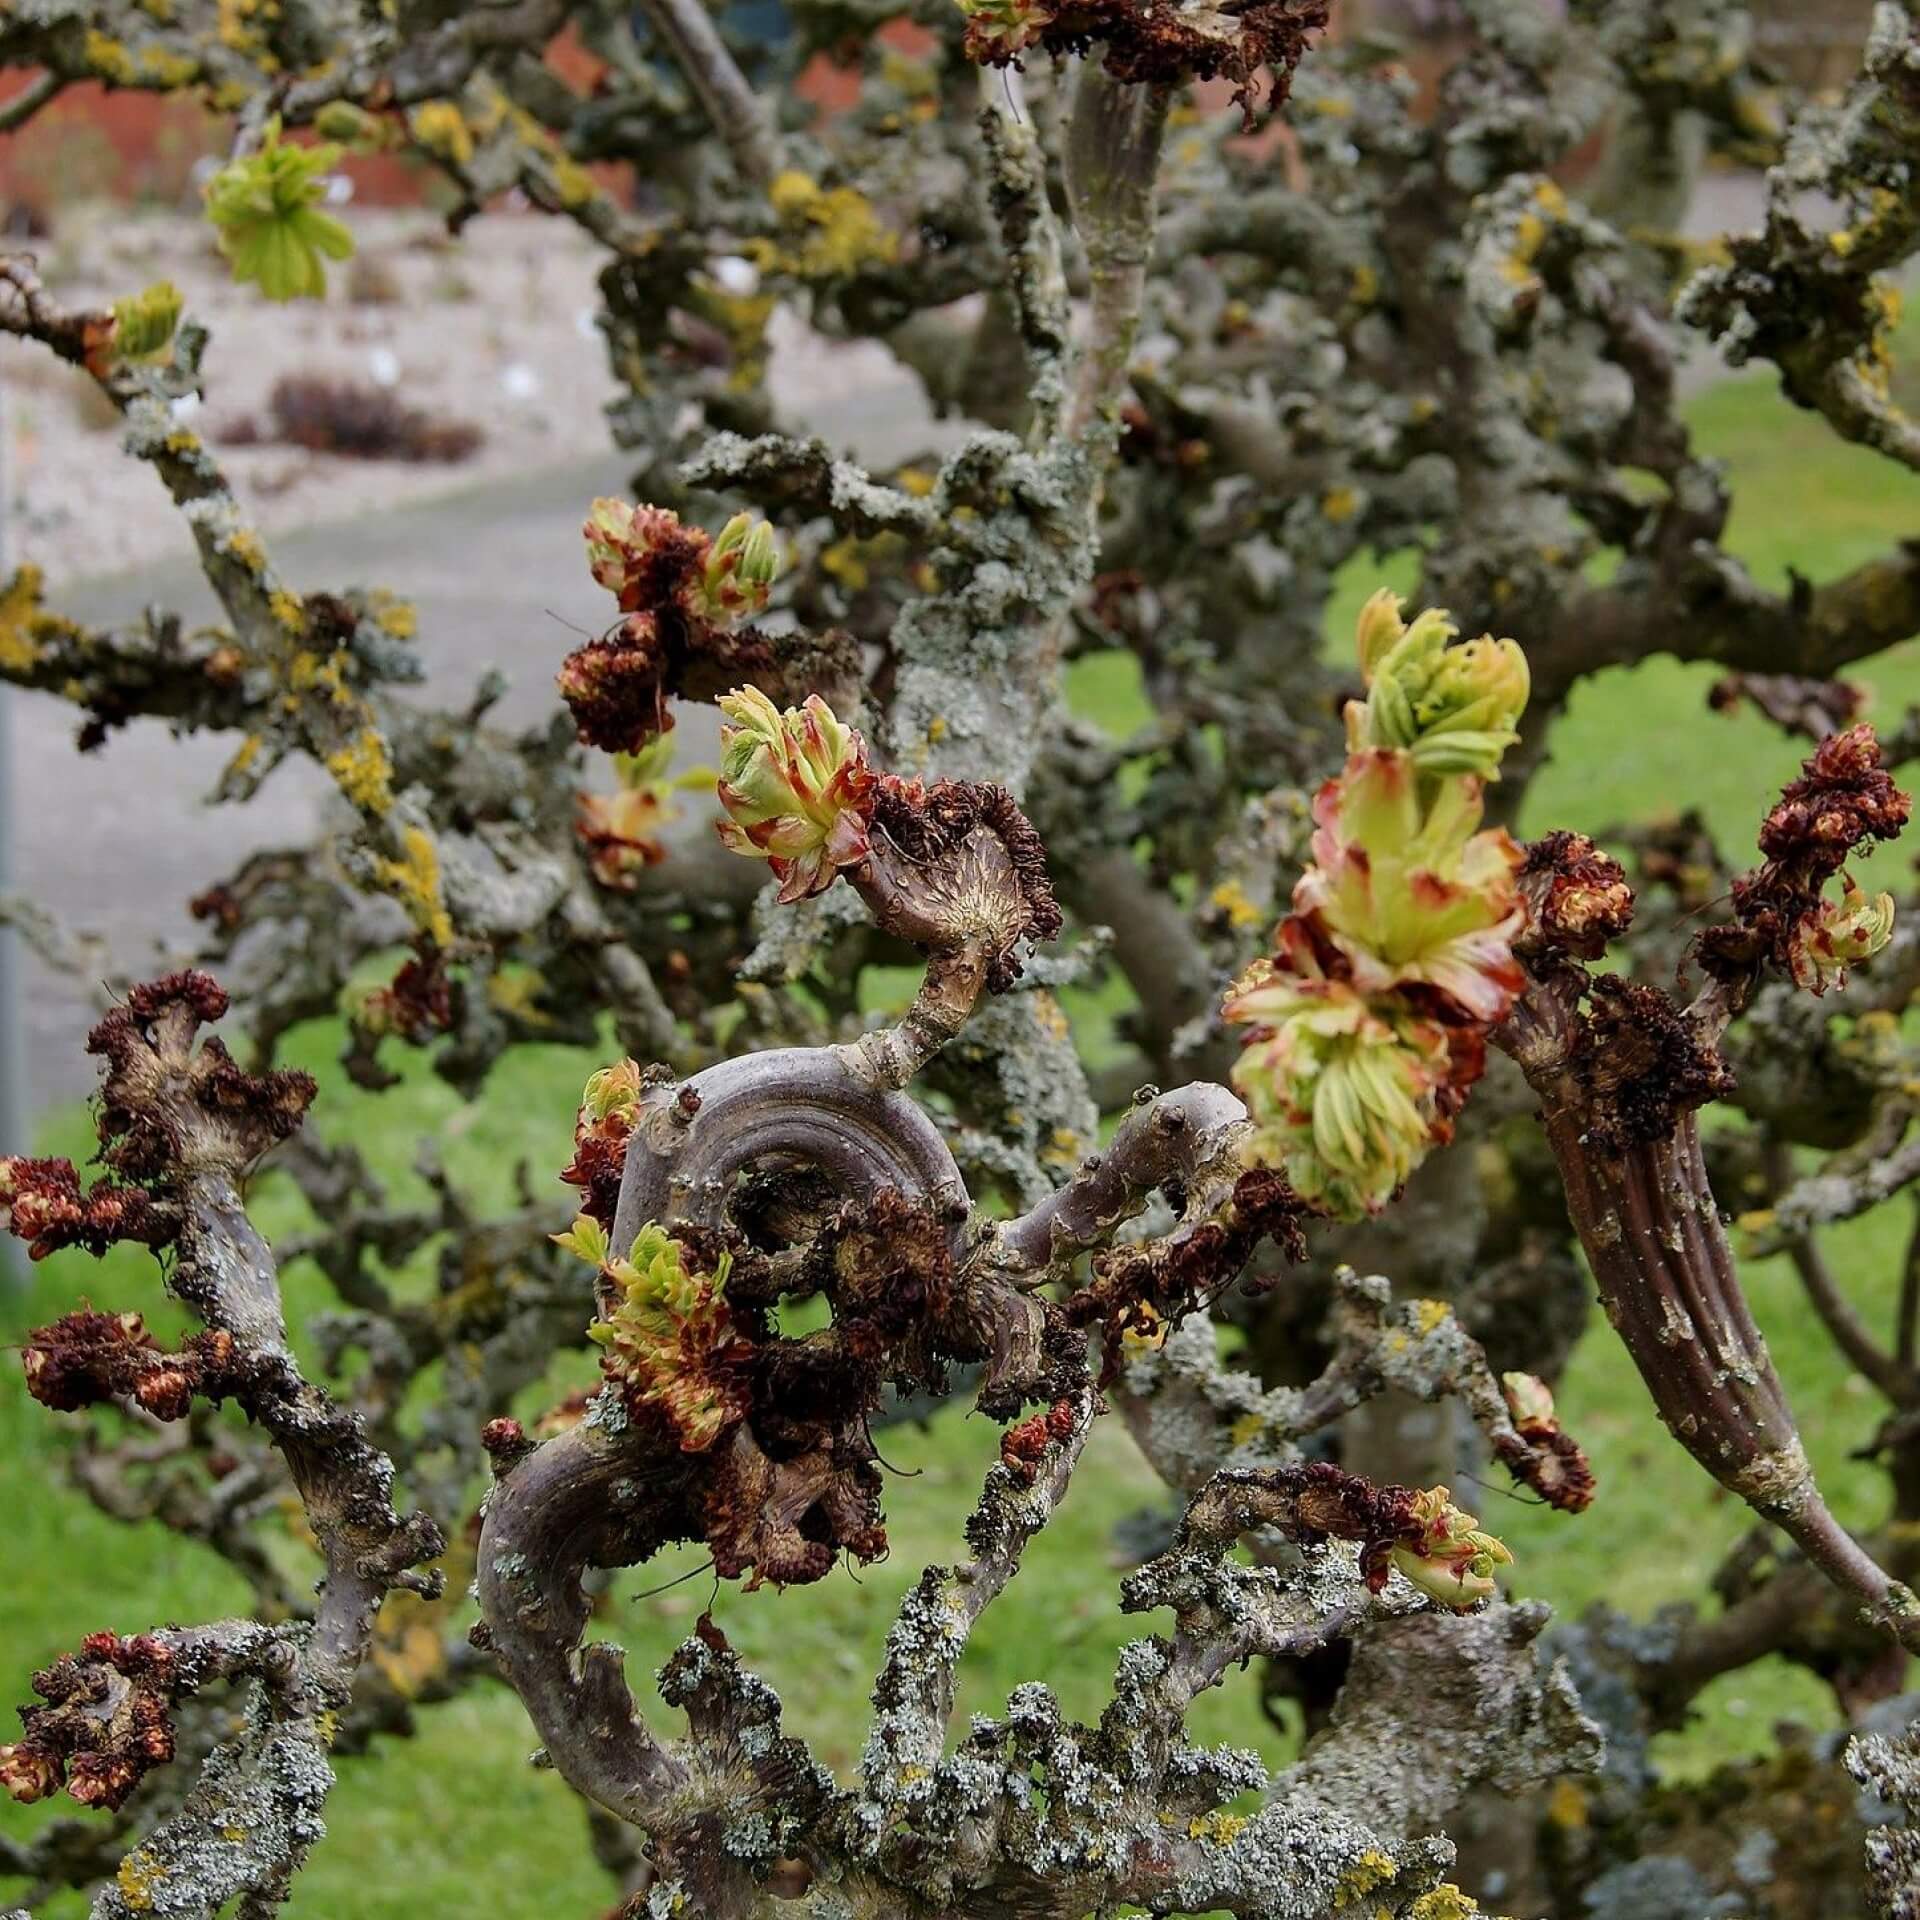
(417, 1827)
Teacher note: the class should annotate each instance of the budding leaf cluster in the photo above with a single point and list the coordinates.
(265, 206)
(1370, 1016)
(1447, 1556)
(144, 322)
(1454, 709)
(685, 595)
(620, 830)
(796, 788)
(665, 1337)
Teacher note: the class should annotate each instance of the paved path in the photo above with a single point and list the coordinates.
(117, 841)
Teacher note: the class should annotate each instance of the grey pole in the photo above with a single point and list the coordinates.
(13, 1061)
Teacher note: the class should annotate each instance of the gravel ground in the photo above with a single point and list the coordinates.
(494, 329)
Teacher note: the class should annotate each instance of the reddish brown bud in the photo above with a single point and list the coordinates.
(1576, 898)
(28, 1774)
(200, 993)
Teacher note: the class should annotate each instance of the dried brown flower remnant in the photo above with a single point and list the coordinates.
(949, 866)
(1552, 1462)
(1843, 799)
(104, 1726)
(1024, 1445)
(1154, 42)
(1576, 898)
(1142, 1290)
(86, 1357)
(1643, 1064)
(169, 1105)
(616, 686)
(956, 862)
(681, 590)
(41, 1202)
(421, 999)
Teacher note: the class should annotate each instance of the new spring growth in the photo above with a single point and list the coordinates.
(1448, 1558)
(265, 207)
(1370, 1016)
(1840, 934)
(737, 578)
(664, 1342)
(1004, 27)
(646, 558)
(144, 322)
(1343, 1093)
(1454, 708)
(796, 787)
(601, 1128)
(1529, 1401)
(620, 830)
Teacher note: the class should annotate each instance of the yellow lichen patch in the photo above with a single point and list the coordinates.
(414, 881)
(288, 609)
(843, 562)
(244, 546)
(1231, 898)
(1427, 1314)
(1219, 1827)
(743, 318)
(395, 617)
(19, 614)
(907, 75)
(1062, 1148)
(140, 1873)
(1339, 504)
(793, 193)
(1529, 234)
(1567, 1805)
(937, 729)
(239, 30)
(914, 480)
(1364, 287)
(363, 772)
(244, 757)
(839, 230)
(440, 127)
(1551, 197)
(1245, 1430)
(1445, 1902)
(517, 992)
(1372, 1869)
(572, 182)
(161, 68)
(106, 58)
